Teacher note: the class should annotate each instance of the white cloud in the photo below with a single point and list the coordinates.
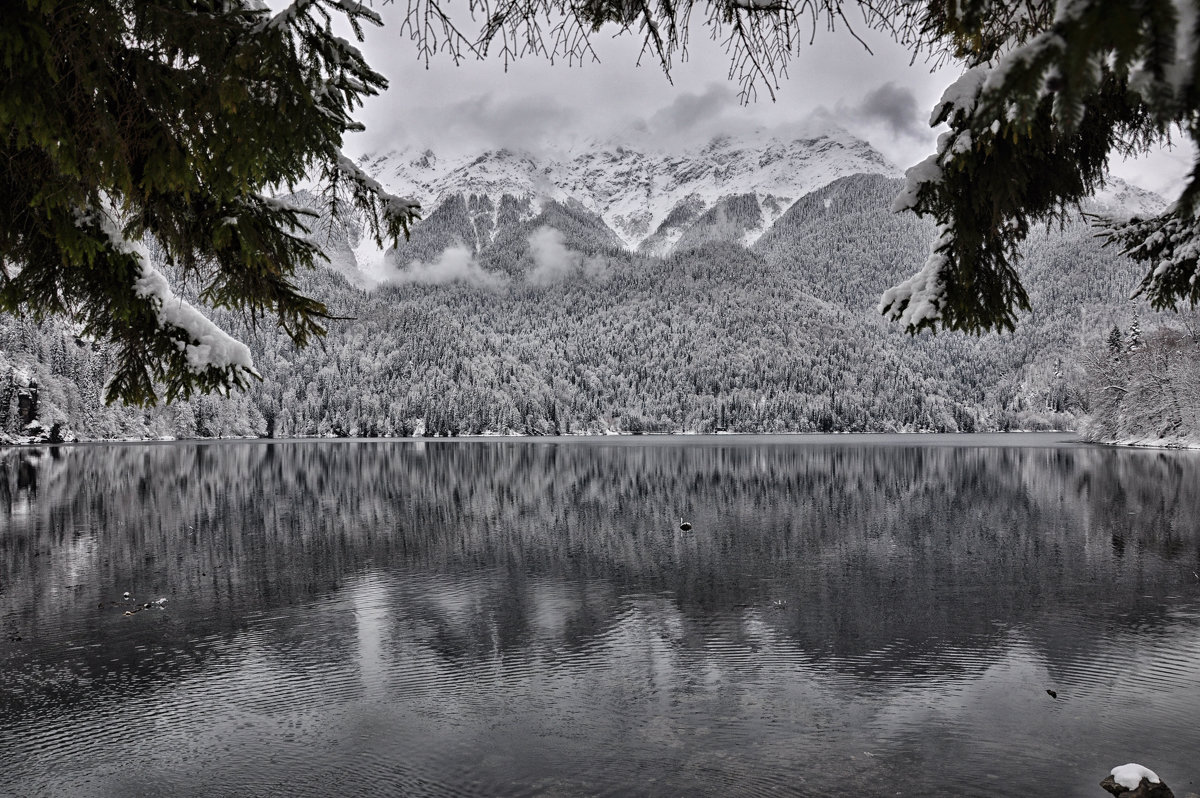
(456, 264)
(484, 104)
(530, 102)
(553, 261)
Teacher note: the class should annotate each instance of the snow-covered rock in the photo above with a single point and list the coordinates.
(1135, 781)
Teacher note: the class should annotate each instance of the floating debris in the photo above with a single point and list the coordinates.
(157, 604)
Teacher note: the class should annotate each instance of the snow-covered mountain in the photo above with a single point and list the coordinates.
(1122, 200)
(647, 197)
(529, 313)
(623, 194)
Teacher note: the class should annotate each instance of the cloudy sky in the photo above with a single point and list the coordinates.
(879, 96)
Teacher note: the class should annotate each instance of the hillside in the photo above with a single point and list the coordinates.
(518, 306)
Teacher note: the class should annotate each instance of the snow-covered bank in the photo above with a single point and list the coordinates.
(1018, 439)
(1183, 442)
(1144, 387)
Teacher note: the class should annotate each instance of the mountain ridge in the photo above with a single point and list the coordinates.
(634, 189)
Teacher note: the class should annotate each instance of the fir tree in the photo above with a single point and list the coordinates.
(153, 123)
(1116, 344)
(1052, 90)
(1135, 335)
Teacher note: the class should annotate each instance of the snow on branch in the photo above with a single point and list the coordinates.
(210, 347)
(918, 301)
(961, 95)
(398, 212)
(759, 5)
(287, 16)
(927, 172)
(204, 344)
(356, 10)
(1169, 245)
(297, 9)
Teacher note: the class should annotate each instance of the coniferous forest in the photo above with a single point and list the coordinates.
(781, 336)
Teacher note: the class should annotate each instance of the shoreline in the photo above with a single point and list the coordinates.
(1022, 438)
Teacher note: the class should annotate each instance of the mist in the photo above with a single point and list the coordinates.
(554, 261)
(456, 264)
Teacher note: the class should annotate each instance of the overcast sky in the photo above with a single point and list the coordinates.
(880, 97)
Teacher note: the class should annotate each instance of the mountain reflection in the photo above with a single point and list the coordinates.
(852, 549)
(389, 610)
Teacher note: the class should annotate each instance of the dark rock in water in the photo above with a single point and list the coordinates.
(1145, 789)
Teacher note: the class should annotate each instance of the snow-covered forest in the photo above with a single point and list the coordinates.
(1144, 386)
(506, 315)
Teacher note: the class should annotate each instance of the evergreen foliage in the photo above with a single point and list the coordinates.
(1053, 90)
(174, 123)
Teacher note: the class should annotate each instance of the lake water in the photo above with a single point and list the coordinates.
(858, 616)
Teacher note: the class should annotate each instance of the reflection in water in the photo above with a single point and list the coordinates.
(510, 618)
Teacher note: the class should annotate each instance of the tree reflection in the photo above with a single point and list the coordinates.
(866, 558)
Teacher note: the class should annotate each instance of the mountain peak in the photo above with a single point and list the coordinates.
(635, 181)
(1121, 199)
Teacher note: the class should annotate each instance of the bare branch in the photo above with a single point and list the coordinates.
(760, 36)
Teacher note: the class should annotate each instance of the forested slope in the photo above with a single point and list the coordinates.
(542, 323)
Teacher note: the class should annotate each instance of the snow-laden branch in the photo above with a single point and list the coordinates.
(398, 212)
(918, 301)
(204, 344)
(297, 9)
(760, 5)
(1169, 245)
(210, 347)
(961, 96)
(285, 17)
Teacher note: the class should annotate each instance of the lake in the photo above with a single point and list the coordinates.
(849, 615)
